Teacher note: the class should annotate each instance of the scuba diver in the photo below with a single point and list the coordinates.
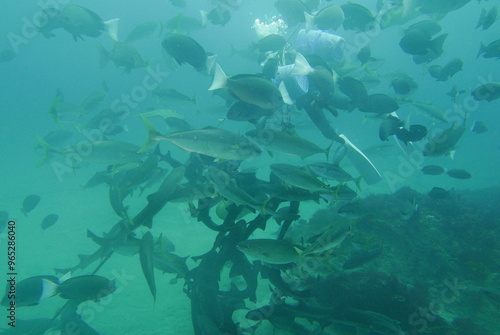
(310, 82)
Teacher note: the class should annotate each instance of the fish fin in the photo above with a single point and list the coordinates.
(148, 223)
(158, 241)
(47, 149)
(232, 50)
(210, 63)
(309, 21)
(481, 50)
(301, 253)
(59, 270)
(112, 28)
(103, 55)
(284, 94)
(204, 17)
(327, 151)
(65, 277)
(482, 16)
(452, 154)
(101, 241)
(357, 181)
(152, 134)
(301, 66)
(49, 289)
(220, 79)
(437, 44)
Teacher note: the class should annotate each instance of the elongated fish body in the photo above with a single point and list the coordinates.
(330, 239)
(298, 177)
(270, 251)
(171, 263)
(285, 143)
(228, 189)
(107, 152)
(216, 143)
(330, 171)
(431, 110)
(444, 142)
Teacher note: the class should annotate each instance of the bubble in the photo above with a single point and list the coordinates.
(266, 27)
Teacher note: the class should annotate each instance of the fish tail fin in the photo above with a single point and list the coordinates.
(91, 235)
(301, 66)
(481, 49)
(195, 100)
(49, 289)
(264, 210)
(112, 28)
(141, 190)
(451, 154)
(232, 50)
(482, 16)
(437, 44)
(327, 151)
(152, 135)
(96, 239)
(103, 55)
(47, 150)
(220, 79)
(204, 17)
(309, 21)
(209, 64)
(335, 191)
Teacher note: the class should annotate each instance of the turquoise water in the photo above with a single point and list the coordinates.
(421, 244)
